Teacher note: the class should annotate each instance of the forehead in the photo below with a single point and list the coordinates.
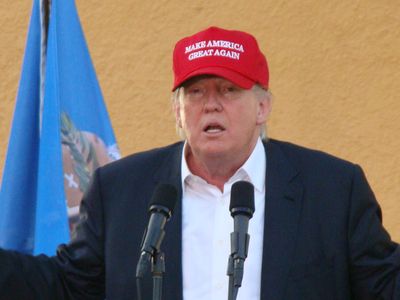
(206, 78)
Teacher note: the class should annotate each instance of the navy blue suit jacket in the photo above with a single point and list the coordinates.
(323, 237)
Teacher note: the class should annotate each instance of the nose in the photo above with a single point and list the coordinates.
(212, 102)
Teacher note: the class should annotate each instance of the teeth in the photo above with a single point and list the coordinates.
(213, 129)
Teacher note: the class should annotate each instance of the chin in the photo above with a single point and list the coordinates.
(214, 150)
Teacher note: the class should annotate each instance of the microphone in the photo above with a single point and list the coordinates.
(242, 209)
(161, 208)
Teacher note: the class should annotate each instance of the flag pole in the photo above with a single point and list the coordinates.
(45, 7)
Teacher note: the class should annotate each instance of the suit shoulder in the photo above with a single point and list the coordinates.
(304, 157)
(142, 160)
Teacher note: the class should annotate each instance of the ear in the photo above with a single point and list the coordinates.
(264, 109)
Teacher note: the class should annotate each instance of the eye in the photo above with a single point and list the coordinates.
(229, 90)
(194, 91)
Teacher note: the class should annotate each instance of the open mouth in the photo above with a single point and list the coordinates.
(214, 128)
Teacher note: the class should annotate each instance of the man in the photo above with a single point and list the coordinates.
(316, 232)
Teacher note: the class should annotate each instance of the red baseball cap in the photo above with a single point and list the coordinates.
(231, 54)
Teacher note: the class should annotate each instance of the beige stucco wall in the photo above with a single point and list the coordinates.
(334, 73)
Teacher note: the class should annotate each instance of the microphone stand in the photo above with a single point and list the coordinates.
(236, 262)
(157, 271)
(229, 272)
(157, 261)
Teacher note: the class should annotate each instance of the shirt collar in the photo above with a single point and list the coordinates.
(253, 170)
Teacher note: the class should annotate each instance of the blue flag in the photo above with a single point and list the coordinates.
(54, 147)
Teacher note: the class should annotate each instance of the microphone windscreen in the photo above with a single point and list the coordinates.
(165, 195)
(242, 197)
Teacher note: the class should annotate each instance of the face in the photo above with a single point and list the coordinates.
(220, 119)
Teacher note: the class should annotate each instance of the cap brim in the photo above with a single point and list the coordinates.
(236, 78)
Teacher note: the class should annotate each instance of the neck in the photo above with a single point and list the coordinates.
(215, 170)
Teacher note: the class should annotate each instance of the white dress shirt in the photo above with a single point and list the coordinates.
(206, 228)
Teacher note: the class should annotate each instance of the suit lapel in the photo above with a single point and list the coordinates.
(282, 211)
(170, 172)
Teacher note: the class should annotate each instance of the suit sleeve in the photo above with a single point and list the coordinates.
(375, 259)
(76, 272)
